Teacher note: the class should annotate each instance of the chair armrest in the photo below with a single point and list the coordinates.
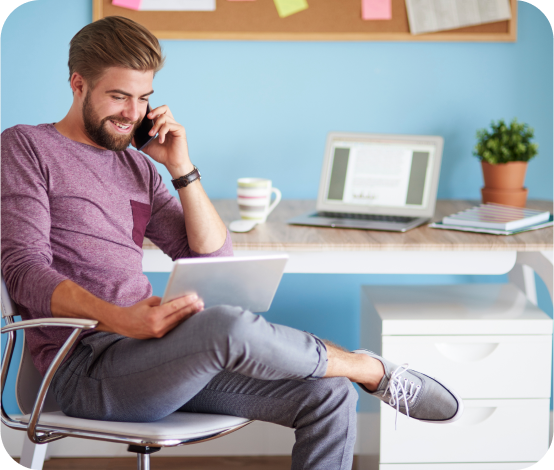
(61, 322)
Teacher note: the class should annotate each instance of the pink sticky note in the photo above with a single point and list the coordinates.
(376, 9)
(132, 4)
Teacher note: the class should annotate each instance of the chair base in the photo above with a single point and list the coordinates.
(143, 455)
(142, 449)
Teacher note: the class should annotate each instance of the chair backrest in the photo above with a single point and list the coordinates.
(9, 309)
(28, 377)
(28, 383)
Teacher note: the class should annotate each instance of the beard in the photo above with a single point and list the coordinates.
(96, 128)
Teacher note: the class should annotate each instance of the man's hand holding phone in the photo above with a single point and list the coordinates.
(170, 146)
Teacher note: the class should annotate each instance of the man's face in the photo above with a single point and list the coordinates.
(113, 110)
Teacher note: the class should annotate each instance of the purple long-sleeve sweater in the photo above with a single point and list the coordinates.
(73, 211)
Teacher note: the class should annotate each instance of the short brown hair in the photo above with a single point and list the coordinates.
(113, 41)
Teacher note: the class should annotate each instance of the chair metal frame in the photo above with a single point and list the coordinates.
(42, 434)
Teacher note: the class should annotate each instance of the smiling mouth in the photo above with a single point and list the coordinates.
(123, 127)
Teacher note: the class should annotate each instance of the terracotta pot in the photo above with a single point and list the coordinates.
(508, 197)
(504, 175)
(504, 183)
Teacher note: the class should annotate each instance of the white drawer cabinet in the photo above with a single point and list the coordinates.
(487, 342)
(478, 366)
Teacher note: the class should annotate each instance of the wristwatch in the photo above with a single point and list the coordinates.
(184, 181)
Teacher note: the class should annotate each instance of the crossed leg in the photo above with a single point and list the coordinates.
(223, 360)
(226, 360)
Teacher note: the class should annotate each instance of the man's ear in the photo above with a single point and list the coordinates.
(78, 84)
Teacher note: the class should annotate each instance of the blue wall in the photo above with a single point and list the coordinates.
(265, 108)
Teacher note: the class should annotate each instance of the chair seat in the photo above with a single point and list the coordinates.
(176, 426)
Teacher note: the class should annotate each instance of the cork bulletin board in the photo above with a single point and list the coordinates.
(324, 20)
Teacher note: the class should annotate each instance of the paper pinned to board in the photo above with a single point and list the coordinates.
(131, 4)
(376, 9)
(166, 5)
(290, 7)
(427, 16)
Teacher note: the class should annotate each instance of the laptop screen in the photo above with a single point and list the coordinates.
(385, 174)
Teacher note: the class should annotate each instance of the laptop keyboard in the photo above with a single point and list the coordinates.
(377, 217)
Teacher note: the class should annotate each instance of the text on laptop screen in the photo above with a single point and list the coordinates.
(380, 174)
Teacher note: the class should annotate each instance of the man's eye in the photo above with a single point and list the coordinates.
(117, 98)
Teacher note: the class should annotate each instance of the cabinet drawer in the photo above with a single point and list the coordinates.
(488, 431)
(479, 366)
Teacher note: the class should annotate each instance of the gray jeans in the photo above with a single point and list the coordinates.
(222, 360)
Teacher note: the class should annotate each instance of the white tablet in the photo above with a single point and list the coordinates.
(249, 282)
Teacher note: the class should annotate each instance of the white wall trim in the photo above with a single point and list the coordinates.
(256, 439)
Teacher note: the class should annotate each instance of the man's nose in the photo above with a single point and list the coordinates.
(131, 111)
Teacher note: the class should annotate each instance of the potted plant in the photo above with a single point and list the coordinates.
(504, 153)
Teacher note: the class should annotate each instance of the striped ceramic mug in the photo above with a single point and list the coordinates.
(254, 197)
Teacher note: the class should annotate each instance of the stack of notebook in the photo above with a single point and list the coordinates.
(496, 219)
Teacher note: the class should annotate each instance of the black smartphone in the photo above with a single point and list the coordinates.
(142, 138)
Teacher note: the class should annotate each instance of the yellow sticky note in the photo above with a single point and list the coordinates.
(290, 7)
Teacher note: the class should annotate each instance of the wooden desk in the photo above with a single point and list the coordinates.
(422, 250)
(276, 235)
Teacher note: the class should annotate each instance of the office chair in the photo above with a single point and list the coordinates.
(44, 422)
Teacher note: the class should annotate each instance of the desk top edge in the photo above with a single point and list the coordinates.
(277, 235)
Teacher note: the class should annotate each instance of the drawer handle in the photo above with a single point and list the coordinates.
(475, 415)
(466, 352)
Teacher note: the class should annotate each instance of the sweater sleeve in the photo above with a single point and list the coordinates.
(26, 251)
(167, 228)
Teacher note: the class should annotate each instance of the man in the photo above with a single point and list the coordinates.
(76, 205)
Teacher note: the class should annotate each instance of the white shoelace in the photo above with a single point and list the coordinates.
(401, 388)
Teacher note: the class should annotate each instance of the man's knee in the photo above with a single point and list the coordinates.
(330, 400)
(229, 324)
(338, 393)
(346, 389)
(330, 394)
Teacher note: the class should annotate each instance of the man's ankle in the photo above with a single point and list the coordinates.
(376, 371)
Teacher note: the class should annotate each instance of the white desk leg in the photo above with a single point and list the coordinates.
(33, 455)
(524, 278)
(522, 273)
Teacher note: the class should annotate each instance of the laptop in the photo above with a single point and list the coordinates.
(377, 182)
(249, 282)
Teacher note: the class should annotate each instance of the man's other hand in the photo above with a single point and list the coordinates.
(146, 319)
(150, 319)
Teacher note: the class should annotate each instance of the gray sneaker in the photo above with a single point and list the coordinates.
(415, 394)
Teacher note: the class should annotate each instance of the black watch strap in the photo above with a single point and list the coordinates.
(184, 181)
